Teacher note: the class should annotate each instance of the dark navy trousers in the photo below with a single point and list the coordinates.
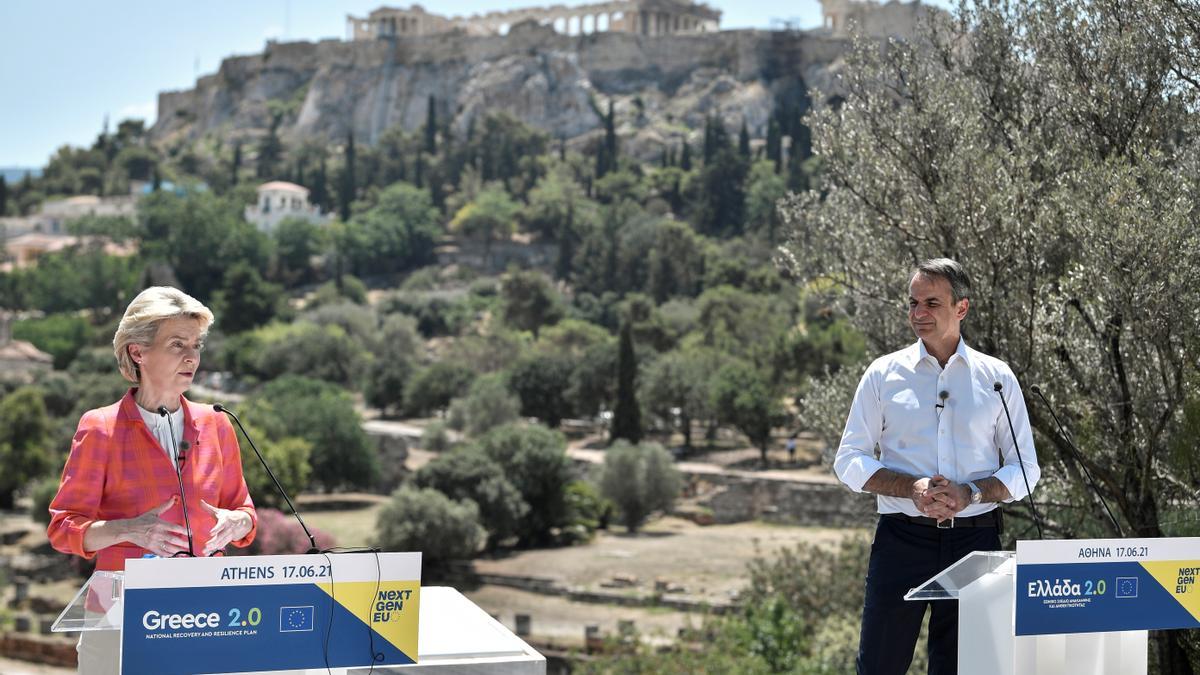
(903, 556)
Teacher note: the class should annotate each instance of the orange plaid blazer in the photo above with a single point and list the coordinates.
(117, 470)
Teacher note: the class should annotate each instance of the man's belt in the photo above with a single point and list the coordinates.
(990, 519)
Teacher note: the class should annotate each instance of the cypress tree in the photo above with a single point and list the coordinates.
(627, 416)
(320, 192)
(610, 136)
(349, 184)
(775, 144)
(685, 160)
(237, 163)
(744, 141)
(431, 127)
(3, 196)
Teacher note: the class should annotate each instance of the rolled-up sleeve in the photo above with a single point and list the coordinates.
(234, 493)
(1009, 472)
(855, 462)
(76, 505)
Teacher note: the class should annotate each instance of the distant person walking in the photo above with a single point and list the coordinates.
(791, 449)
(934, 414)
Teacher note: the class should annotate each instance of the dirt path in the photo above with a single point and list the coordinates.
(703, 560)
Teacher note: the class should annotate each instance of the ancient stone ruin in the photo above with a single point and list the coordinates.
(640, 17)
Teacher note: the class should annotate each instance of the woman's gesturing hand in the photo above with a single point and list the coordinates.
(231, 526)
(158, 536)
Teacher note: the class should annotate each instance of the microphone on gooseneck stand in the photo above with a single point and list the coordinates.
(180, 457)
(312, 542)
(1021, 462)
(1079, 460)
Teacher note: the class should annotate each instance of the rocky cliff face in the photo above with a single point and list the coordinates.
(660, 86)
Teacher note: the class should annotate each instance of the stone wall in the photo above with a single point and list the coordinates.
(734, 499)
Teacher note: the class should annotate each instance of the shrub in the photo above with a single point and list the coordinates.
(428, 521)
(469, 474)
(639, 479)
(280, 534)
(488, 404)
(41, 493)
(534, 459)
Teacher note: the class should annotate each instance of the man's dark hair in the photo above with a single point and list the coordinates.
(960, 283)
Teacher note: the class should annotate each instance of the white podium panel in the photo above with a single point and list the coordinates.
(983, 584)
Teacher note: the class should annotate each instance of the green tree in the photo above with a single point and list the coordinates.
(433, 387)
(468, 474)
(765, 190)
(627, 415)
(639, 479)
(487, 404)
(348, 187)
(534, 459)
(322, 352)
(428, 521)
(558, 208)
(24, 437)
(174, 229)
(1080, 118)
(529, 300)
(60, 335)
(245, 300)
(678, 384)
(719, 193)
(489, 217)
(288, 458)
(431, 127)
(395, 235)
(297, 243)
(323, 415)
(270, 148)
(395, 363)
(744, 397)
(542, 382)
(235, 164)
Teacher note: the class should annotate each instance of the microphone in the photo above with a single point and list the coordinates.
(942, 396)
(311, 540)
(180, 456)
(1079, 460)
(1021, 462)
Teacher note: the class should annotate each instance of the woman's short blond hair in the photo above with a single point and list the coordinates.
(143, 316)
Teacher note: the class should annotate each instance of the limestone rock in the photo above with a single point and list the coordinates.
(662, 88)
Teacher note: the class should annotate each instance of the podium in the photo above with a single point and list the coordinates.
(272, 623)
(1077, 606)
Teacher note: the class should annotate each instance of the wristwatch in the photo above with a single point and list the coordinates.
(976, 495)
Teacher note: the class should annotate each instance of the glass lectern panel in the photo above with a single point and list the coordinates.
(97, 606)
(947, 584)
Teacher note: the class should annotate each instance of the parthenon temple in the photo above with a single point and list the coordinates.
(642, 17)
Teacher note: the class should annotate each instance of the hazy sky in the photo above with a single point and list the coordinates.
(68, 63)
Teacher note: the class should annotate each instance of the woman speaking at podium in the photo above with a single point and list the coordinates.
(152, 473)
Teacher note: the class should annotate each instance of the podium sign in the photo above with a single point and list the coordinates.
(245, 614)
(1105, 585)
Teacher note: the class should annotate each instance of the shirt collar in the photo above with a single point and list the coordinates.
(918, 352)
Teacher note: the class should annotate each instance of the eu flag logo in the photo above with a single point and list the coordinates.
(295, 619)
(1127, 587)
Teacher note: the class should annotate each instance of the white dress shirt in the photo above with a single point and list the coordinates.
(896, 413)
(162, 431)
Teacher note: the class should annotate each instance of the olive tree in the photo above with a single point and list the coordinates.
(1051, 148)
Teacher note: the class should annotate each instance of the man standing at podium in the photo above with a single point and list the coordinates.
(928, 434)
